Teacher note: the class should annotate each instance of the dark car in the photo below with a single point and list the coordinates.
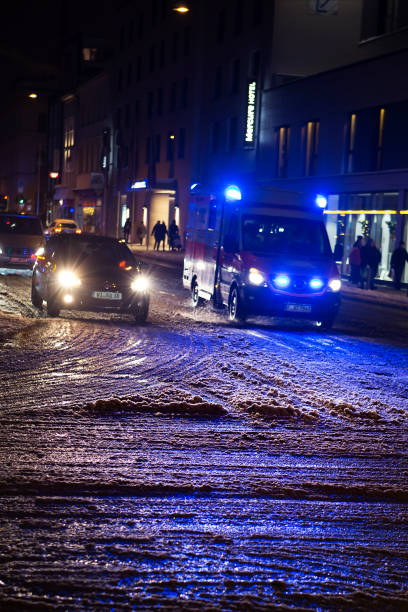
(20, 238)
(88, 272)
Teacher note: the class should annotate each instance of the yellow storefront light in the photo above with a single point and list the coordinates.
(363, 212)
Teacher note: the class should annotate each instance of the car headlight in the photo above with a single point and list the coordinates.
(140, 283)
(255, 277)
(67, 278)
(335, 284)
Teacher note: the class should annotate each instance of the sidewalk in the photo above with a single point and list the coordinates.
(383, 295)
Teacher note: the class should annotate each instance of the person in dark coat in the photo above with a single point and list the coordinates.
(398, 259)
(126, 229)
(161, 234)
(173, 235)
(355, 261)
(370, 259)
(156, 233)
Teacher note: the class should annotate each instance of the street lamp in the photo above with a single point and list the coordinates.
(33, 96)
(181, 8)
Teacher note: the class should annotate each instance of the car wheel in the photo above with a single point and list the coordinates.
(140, 312)
(36, 299)
(236, 311)
(195, 298)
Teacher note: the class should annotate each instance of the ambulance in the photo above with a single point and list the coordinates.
(263, 251)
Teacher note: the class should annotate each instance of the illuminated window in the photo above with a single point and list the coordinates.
(310, 139)
(350, 141)
(282, 136)
(69, 142)
(380, 142)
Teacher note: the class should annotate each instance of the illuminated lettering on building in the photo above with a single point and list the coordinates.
(251, 115)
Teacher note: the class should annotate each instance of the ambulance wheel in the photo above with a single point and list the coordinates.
(236, 311)
(196, 299)
(35, 297)
(141, 311)
(326, 324)
(52, 308)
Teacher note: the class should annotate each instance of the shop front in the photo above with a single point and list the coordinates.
(89, 214)
(370, 215)
(155, 203)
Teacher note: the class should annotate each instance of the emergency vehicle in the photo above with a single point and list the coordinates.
(261, 252)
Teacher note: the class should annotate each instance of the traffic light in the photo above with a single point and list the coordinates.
(3, 201)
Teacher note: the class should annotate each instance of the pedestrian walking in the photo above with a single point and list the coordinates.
(140, 232)
(156, 232)
(161, 234)
(174, 238)
(355, 261)
(126, 229)
(398, 259)
(370, 259)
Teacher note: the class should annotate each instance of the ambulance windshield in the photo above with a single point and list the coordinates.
(264, 234)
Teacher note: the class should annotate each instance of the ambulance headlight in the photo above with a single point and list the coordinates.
(67, 278)
(255, 277)
(282, 281)
(316, 283)
(335, 284)
(140, 284)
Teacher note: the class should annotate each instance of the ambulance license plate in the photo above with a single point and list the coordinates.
(298, 307)
(106, 295)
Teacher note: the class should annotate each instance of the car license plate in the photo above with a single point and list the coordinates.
(298, 307)
(18, 259)
(106, 295)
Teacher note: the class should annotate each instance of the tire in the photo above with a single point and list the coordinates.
(197, 301)
(36, 299)
(140, 312)
(236, 310)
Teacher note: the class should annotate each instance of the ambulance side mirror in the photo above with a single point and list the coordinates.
(230, 244)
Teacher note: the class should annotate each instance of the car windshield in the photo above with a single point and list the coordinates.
(94, 252)
(265, 234)
(25, 226)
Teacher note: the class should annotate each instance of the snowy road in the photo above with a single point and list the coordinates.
(186, 463)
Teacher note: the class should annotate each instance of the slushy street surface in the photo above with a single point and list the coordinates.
(188, 464)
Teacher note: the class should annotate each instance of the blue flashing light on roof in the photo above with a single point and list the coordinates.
(321, 201)
(194, 186)
(233, 193)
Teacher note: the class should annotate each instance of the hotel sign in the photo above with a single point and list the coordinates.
(250, 125)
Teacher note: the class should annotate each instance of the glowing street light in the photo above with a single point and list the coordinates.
(33, 95)
(54, 175)
(181, 8)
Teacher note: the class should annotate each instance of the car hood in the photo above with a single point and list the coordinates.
(21, 240)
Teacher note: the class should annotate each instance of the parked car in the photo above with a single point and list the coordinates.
(89, 272)
(21, 236)
(63, 226)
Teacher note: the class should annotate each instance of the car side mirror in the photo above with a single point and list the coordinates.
(230, 243)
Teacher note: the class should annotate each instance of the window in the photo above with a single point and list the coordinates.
(139, 68)
(184, 93)
(310, 140)
(215, 136)
(382, 17)
(220, 34)
(170, 146)
(122, 37)
(187, 41)
(380, 142)
(162, 54)
(120, 77)
(129, 74)
(152, 59)
(173, 97)
(127, 115)
(235, 74)
(150, 101)
(157, 148)
(141, 24)
(137, 111)
(257, 12)
(175, 46)
(255, 64)
(147, 151)
(232, 134)
(218, 82)
(160, 102)
(181, 143)
(350, 143)
(69, 142)
(282, 140)
(238, 17)
(131, 30)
